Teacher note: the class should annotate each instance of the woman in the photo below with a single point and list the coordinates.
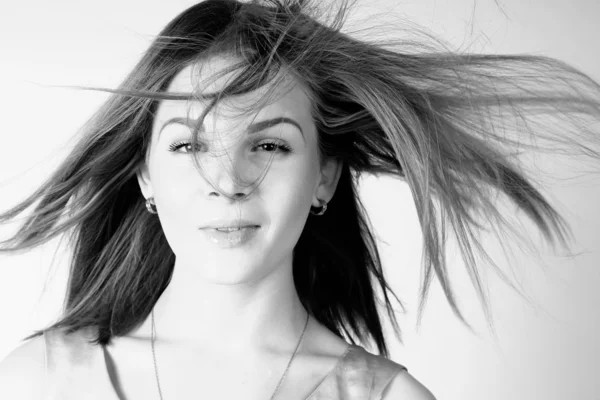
(251, 118)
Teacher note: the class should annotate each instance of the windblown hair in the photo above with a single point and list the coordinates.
(430, 117)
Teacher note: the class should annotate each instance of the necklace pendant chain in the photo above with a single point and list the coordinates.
(280, 380)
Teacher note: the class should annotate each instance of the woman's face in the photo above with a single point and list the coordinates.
(232, 144)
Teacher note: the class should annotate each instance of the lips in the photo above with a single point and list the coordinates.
(231, 239)
(233, 229)
(229, 224)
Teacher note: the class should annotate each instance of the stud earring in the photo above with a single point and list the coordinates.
(151, 206)
(322, 209)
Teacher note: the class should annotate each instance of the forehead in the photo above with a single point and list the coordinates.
(208, 77)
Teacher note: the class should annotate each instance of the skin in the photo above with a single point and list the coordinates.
(230, 319)
(239, 300)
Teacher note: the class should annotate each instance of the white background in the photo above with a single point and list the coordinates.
(549, 352)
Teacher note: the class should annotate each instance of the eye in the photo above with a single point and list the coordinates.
(177, 145)
(279, 146)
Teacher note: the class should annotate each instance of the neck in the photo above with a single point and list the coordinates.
(195, 312)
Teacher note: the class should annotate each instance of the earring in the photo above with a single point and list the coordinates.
(323, 207)
(151, 206)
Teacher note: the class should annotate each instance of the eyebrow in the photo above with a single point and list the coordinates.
(252, 128)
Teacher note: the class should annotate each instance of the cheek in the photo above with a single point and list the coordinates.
(291, 197)
(174, 196)
(172, 186)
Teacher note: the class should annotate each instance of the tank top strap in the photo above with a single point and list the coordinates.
(75, 369)
(71, 364)
(361, 375)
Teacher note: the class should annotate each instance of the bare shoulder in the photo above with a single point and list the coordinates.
(404, 386)
(22, 372)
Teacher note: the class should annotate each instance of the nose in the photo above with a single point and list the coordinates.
(230, 175)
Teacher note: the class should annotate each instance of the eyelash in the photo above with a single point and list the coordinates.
(280, 146)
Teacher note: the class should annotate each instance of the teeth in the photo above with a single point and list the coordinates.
(228, 229)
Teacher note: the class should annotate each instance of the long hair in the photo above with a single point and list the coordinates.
(429, 117)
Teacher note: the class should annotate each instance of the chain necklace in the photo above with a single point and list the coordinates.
(280, 380)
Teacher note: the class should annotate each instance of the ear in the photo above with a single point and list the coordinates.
(143, 177)
(330, 176)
